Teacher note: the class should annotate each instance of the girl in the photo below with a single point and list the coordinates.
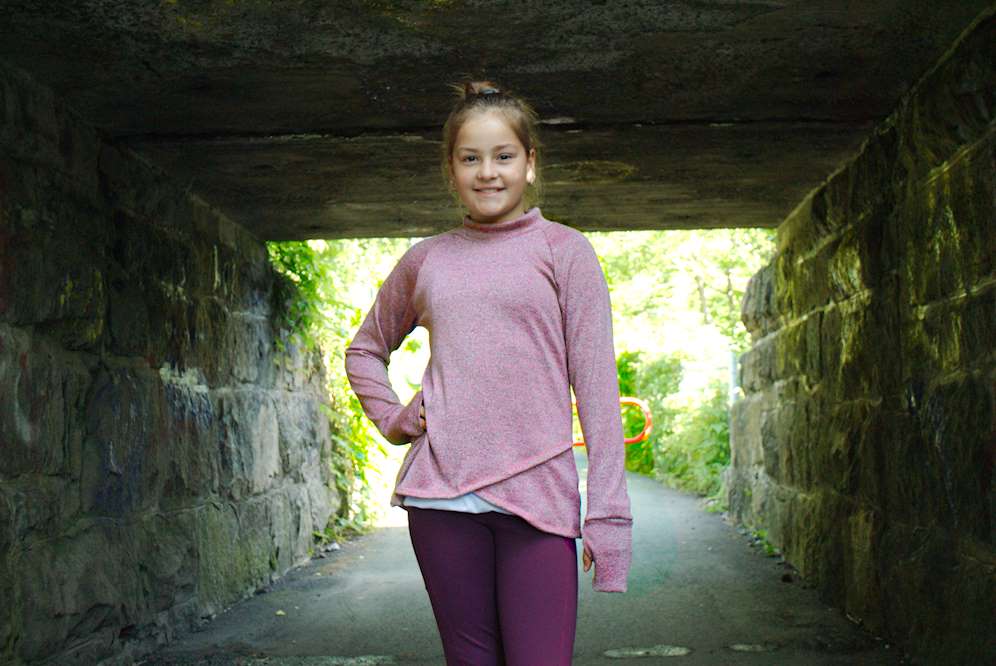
(518, 312)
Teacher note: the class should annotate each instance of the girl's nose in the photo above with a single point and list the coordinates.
(487, 169)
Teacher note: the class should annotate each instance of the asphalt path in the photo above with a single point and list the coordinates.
(700, 592)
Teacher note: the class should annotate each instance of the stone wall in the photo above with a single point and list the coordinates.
(157, 463)
(865, 443)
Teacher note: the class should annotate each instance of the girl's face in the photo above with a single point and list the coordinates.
(490, 168)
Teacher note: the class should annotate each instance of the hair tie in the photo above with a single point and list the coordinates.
(488, 91)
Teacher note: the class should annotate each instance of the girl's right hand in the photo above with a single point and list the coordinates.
(421, 415)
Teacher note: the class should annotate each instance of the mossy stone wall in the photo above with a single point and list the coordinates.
(156, 463)
(866, 440)
(865, 443)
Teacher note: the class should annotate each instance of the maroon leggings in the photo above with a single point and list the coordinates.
(503, 592)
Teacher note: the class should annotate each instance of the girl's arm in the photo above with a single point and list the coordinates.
(390, 319)
(591, 366)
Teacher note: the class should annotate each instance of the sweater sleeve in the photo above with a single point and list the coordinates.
(391, 318)
(591, 366)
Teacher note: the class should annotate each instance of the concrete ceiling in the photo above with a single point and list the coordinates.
(320, 119)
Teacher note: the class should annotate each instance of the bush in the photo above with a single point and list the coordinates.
(694, 456)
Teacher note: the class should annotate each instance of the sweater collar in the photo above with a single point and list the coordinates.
(485, 230)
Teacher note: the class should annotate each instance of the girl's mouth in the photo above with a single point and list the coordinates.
(490, 190)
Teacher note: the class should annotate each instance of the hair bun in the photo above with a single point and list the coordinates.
(480, 88)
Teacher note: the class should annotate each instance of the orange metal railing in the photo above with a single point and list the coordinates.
(627, 400)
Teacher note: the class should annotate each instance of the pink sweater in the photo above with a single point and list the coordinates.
(518, 312)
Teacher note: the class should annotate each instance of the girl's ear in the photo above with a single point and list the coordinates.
(531, 166)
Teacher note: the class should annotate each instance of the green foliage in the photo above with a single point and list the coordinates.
(659, 277)
(759, 537)
(695, 455)
(311, 299)
(297, 296)
(677, 296)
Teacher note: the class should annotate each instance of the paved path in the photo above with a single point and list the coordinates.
(696, 585)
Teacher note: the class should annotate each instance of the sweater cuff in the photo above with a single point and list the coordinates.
(610, 543)
(406, 425)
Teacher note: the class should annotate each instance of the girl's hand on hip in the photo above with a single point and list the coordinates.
(586, 556)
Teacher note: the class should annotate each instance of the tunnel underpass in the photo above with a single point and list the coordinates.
(158, 466)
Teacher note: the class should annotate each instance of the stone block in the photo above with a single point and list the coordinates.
(810, 277)
(861, 567)
(235, 262)
(124, 449)
(812, 363)
(757, 310)
(9, 620)
(207, 320)
(790, 443)
(47, 133)
(230, 347)
(797, 234)
(41, 399)
(814, 526)
(248, 441)
(962, 635)
(133, 184)
(299, 371)
(858, 191)
(745, 433)
(856, 264)
(848, 459)
(7, 529)
(870, 178)
(249, 339)
(946, 244)
(772, 455)
(951, 106)
(151, 253)
(77, 588)
(930, 256)
(39, 505)
(790, 350)
(860, 344)
(302, 431)
(946, 336)
(55, 283)
(968, 187)
(243, 269)
(917, 563)
(955, 423)
(323, 499)
(168, 560)
(291, 528)
(192, 468)
(829, 210)
(234, 548)
(911, 492)
(31, 125)
(757, 365)
(173, 328)
(129, 320)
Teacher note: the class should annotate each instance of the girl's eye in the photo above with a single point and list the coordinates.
(468, 158)
(505, 156)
